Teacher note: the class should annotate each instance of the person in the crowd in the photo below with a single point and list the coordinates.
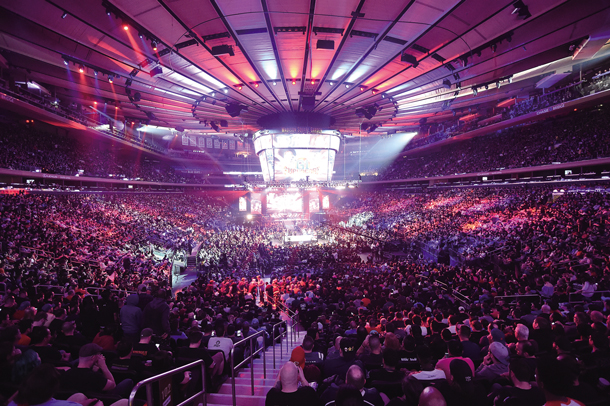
(427, 363)
(287, 391)
(92, 374)
(131, 318)
(495, 362)
(521, 390)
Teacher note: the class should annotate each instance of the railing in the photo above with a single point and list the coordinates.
(163, 391)
(252, 340)
(516, 298)
(597, 295)
(284, 333)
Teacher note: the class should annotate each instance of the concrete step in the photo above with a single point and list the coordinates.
(259, 370)
(257, 375)
(242, 400)
(245, 390)
(269, 382)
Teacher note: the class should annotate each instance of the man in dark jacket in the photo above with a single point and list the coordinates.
(156, 315)
(131, 318)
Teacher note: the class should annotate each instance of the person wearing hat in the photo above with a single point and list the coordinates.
(462, 389)
(92, 374)
(347, 358)
(145, 347)
(298, 357)
(495, 362)
(521, 390)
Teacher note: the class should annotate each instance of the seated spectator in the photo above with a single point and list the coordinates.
(495, 362)
(145, 347)
(220, 342)
(370, 352)
(311, 357)
(355, 377)
(92, 375)
(555, 380)
(347, 358)
(70, 338)
(390, 371)
(427, 363)
(287, 392)
(455, 351)
(41, 343)
(131, 318)
(43, 383)
(521, 391)
(195, 351)
(470, 349)
(462, 389)
(124, 361)
(431, 396)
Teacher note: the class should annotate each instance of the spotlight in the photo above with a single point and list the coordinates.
(81, 69)
(274, 83)
(494, 48)
(362, 88)
(510, 79)
(347, 85)
(108, 12)
(331, 83)
(498, 84)
(486, 87)
(66, 62)
(140, 35)
(154, 45)
(383, 95)
(110, 78)
(125, 27)
(294, 81)
(64, 15)
(213, 94)
(225, 90)
(95, 102)
(95, 73)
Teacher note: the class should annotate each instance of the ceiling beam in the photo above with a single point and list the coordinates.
(280, 68)
(367, 53)
(312, 9)
(243, 51)
(227, 67)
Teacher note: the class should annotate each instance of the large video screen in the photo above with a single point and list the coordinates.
(285, 202)
(296, 157)
(256, 203)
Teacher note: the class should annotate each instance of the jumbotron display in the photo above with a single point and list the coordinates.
(288, 157)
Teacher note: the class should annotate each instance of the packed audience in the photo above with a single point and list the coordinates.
(574, 138)
(470, 297)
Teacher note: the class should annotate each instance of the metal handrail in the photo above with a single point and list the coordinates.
(283, 334)
(600, 292)
(251, 340)
(517, 297)
(149, 390)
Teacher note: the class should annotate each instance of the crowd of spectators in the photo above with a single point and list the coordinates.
(580, 136)
(386, 323)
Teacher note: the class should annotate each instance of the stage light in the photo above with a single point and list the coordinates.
(274, 83)
(347, 85)
(213, 94)
(154, 45)
(294, 82)
(362, 88)
(313, 82)
(64, 15)
(125, 27)
(81, 69)
(249, 217)
(108, 12)
(140, 35)
(66, 62)
(383, 95)
(498, 84)
(110, 78)
(95, 102)
(94, 73)
(225, 90)
(116, 107)
(331, 83)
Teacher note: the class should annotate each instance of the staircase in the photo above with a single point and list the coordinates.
(191, 262)
(243, 388)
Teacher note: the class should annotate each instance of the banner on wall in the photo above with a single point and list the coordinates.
(185, 140)
(231, 144)
(193, 140)
(325, 203)
(217, 144)
(225, 144)
(209, 143)
(201, 142)
(242, 204)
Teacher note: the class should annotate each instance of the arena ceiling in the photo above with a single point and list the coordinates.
(185, 63)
